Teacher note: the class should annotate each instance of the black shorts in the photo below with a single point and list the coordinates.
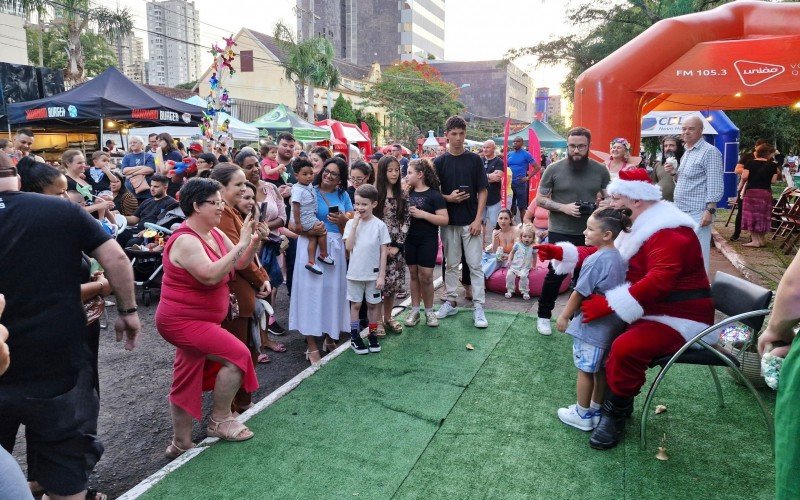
(61, 434)
(421, 251)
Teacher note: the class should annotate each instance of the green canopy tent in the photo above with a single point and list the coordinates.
(548, 138)
(281, 119)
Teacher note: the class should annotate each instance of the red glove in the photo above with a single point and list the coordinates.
(548, 251)
(595, 307)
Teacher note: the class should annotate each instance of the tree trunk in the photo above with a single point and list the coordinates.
(41, 40)
(300, 92)
(312, 117)
(75, 64)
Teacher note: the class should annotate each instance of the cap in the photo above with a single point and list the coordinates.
(634, 183)
(196, 146)
(376, 156)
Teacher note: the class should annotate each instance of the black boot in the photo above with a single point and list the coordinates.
(612, 422)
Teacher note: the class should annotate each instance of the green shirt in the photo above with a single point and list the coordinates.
(567, 184)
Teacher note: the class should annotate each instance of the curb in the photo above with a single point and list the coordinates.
(262, 405)
(733, 256)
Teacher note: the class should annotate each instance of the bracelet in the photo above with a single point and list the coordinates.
(127, 312)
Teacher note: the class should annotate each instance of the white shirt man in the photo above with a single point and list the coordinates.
(698, 181)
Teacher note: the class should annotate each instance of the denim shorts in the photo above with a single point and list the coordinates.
(588, 358)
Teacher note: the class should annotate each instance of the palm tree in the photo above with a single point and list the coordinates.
(40, 8)
(309, 64)
(76, 17)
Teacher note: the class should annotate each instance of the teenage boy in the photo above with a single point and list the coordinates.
(464, 187)
(366, 238)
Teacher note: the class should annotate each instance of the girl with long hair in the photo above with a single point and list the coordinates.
(392, 209)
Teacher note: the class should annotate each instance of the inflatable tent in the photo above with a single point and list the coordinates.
(740, 55)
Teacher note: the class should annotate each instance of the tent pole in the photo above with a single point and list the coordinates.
(100, 141)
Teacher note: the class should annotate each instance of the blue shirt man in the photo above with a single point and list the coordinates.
(520, 162)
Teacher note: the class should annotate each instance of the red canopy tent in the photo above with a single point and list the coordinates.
(346, 133)
(740, 55)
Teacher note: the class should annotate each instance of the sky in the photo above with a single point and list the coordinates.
(506, 24)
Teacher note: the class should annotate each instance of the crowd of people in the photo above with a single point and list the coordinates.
(342, 235)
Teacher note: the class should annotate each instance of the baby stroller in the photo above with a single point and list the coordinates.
(146, 262)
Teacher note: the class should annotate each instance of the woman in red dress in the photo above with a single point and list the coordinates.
(198, 263)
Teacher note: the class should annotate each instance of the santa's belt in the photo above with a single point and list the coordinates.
(681, 295)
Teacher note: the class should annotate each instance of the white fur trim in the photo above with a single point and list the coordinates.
(662, 215)
(635, 190)
(686, 327)
(623, 303)
(570, 259)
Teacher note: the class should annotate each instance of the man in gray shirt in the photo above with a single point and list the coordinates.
(569, 190)
(698, 181)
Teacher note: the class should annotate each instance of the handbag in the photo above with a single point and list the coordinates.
(94, 308)
(233, 307)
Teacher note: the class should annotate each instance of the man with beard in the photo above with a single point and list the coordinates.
(671, 148)
(23, 143)
(569, 190)
(286, 143)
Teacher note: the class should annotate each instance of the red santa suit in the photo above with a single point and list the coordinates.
(666, 299)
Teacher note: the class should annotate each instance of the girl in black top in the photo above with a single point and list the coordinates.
(428, 211)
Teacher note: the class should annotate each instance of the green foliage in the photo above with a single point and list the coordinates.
(308, 63)
(558, 124)
(780, 126)
(187, 85)
(98, 55)
(599, 31)
(342, 110)
(417, 100)
(371, 120)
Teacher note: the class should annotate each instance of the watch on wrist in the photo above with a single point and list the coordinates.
(126, 312)
(711, 210)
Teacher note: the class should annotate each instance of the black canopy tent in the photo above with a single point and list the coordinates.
(109, 96)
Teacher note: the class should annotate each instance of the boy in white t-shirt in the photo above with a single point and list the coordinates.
(366, 238)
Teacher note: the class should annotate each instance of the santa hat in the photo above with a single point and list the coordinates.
(634, 183)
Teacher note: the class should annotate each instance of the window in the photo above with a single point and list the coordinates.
(246, 61)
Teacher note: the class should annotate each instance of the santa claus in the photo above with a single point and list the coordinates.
(666, 301)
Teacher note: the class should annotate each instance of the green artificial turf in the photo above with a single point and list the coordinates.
(427, 418)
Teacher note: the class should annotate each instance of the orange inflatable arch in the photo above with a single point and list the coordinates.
(737, 56)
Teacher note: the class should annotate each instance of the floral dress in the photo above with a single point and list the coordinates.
(398, 230)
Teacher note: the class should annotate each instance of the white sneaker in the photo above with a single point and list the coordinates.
(412, 319)
(431, 319)
(573, 418)
(526, 296)
(446, 309)
(543, 325)
(479, 317)
(509, 295)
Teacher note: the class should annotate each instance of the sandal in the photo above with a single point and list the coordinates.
(263, 359)
(174, 451)
(329, 346)
(233, 430)
(393, 326)
(308, 357)
(275, 347)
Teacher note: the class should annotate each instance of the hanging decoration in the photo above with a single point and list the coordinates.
(218, 99)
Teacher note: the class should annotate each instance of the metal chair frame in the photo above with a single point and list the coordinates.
(697, 340)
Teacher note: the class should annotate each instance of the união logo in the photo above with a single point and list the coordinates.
(754, 73)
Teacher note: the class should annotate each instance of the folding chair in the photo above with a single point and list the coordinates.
(740, 300)
(786, 203)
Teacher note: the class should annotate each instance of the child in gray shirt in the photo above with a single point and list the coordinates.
(601, 272)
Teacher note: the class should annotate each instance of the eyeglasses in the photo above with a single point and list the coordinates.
(331, 174)
(577, 147)
(357, 179)
(218, 204)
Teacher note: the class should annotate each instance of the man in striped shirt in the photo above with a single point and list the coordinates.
(698, 181)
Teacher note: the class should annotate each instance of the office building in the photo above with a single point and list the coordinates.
(490, 89)
(130, 56)
(173, 42)
(12, 36)
(368, 31)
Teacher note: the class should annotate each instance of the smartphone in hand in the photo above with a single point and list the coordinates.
(334, 209)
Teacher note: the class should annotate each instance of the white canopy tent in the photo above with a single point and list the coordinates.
(658, 123)
(239, 130)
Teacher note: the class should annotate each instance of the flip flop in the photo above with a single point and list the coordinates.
(277, 347)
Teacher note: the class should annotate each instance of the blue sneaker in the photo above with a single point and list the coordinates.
(572, 417)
